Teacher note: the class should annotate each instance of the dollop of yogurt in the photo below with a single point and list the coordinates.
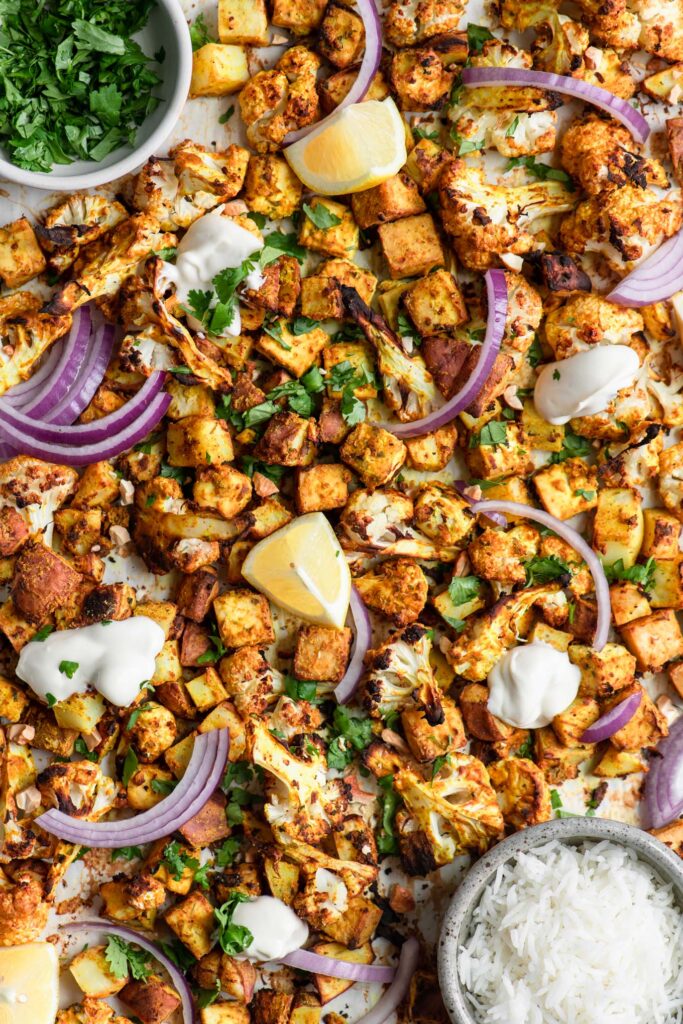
(211, 244)
(584, 384)
(531, 684)
(275, 927)
(114, 658)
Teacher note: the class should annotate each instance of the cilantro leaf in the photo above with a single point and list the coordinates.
(125, 958)
(477, 35)
(573, 447)
(545, 569)
(226, 854)
(350, 735)
(389, 800)
(299, 689)
(279, 242)
(232, 938)
(130, 766)
(68, 668)
(303, 324)
(462, 589)
(544, 172)
(643, 575)
(321, 216)
(200, 34)
(492, 434)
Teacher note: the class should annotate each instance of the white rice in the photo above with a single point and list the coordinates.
(575, 935)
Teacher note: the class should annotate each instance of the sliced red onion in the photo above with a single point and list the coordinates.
(497, 294)
(108, 448)
(85, 433)
(614, 720)
(89, 379)
(515, 508)
(129, 935)
(202, 775)
(363, 636)
(66, 373)
(307, 960)
(461, 486)
(620, 110)
(664, 781)
(368, 68)
(397, 991)
(20, 394)
(658, 278)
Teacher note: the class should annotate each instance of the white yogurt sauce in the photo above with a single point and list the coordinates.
(114, 658)
(584, 384)
(275, 927)
(531, 684)
(211, 244)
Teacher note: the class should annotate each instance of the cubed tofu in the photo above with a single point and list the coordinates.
(164, 613)
(207, 689)
(563, 487)
(147, 787)
(358, 355)
(661, 531)
(321, 487)
(411, 246)
(244, 619)
(80, 711)
(605, 672)
(21, 258)
(223, 489)
(321, 292)
(193, 922)
(435, 303)
(13, 701)
(618, 525)
(339, 239)
(178, 756)
(614, 764)
(296, 352)
(199, 441)
(628, 602)
(558, 762)
(489, 461)
(570, 725)
(538, 433)
(209, 824)
(93, 975)
(218, 70)
(541, 632)
(394, 198)
(666, 590)
(419, 78)
(432, 452)
(225, 1013)
(341, 35)
(396, 589)
(98, 487)
(78, 529)
(427, 742)
(654, 639)
(647, 726)
(322, 653)
(375, 454)
(300, 17)
(243, 21)
(167, 668)
(271, 187)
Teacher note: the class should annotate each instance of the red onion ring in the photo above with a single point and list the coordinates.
(397, 991)
(85, 433)
(514, 508)
(614, 720)
(620, 110)
(497, 294)
(366, 72)
(66, 373)
(98, 452)
(20, 394)
(363, 636)
(307, 960)
(664, 781)
(89, 379)
(202, 775)
(659, 277)
(177, 977)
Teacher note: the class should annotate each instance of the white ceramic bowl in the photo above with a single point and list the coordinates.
(166, 27)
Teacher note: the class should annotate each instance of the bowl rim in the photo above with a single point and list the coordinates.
(48, 181)
(572, 830)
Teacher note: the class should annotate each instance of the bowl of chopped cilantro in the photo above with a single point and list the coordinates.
(89, 89)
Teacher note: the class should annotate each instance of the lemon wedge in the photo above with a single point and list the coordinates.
(354, 149)
(29, 984)
(302, 569)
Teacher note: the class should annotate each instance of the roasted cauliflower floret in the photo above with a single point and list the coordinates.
(71, 787)
(602, 154)
(252, 683)
(381, 521)
(35, 488)
(671, 478)
(500, 556)
(638, 24)
(412, 21)
(396, 589)
(23, 907)
(485, 220)
(279, 101)
(76, 222)
(399, 675)
(586, 320)
(26, 333)
(623, 226)
(522, 791)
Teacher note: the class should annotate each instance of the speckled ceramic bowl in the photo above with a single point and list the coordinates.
(456, 923)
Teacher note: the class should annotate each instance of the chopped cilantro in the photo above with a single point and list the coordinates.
(555, 799)
(42, 634)
(207, 996)
(178, 954)
(544, 172)
(350, 735)
(299, 689)
(224, 118)
(163, 786)
(544, 569)
(124, 958)
(250, 465)
(277, 243)
(51, 700)
(463, 588)
(215, 652)
(477, 35)
(127, 853)
(512, 127)
(438, 763)
(389, 799)
(580, 492)
(491, 434)
(200, 34)
(130, 766)
(535, 352)
(68, 668)
(643, 575)
(274, 329)
(573, 447)
(321, 216)
(420, 132)
(81, 748)
(303, 324)
(226, 854)
(232, 938)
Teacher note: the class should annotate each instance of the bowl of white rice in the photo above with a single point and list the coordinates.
(578, 921)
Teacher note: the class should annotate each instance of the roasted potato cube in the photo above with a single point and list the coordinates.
(79, 530)
(80, 711)
(218, 70)
(178, 756)
(321, 487)
(618, 526)
(435, 303)
(167, 668)
(271, 187)
(425, 163)
(282, 878)
(545, 634)
(225, 1013)
(322, 653)
(432, 452)
(243, 21)
(563, 487)
(628, 602)
(341, 35)
(675, 672)
(339, 239)
(207, 689)
(328, 988)
(140, 792)
(374, 453)
(419, 78)
(616, 763)
(396, 197)
(671, 835)
(300, 17)
(192, 921)
(654, 639)
(13, 701)
(538, 433)
(43, 582)
(411, 246)
(570, 724)
(189, 400)
(223, 489)
(647, 726)
(661, 531)
(296, 352)
(152, 1000)
(244, 619)
(199, 441)
(321, 292)
(359, 357)
(117, 906)
(557, 762)
(21, 257)
(289, 440)
(93, 975)
(604, 672)
(522, 791)
(209, 824)
(479, 721)
(666, 590)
